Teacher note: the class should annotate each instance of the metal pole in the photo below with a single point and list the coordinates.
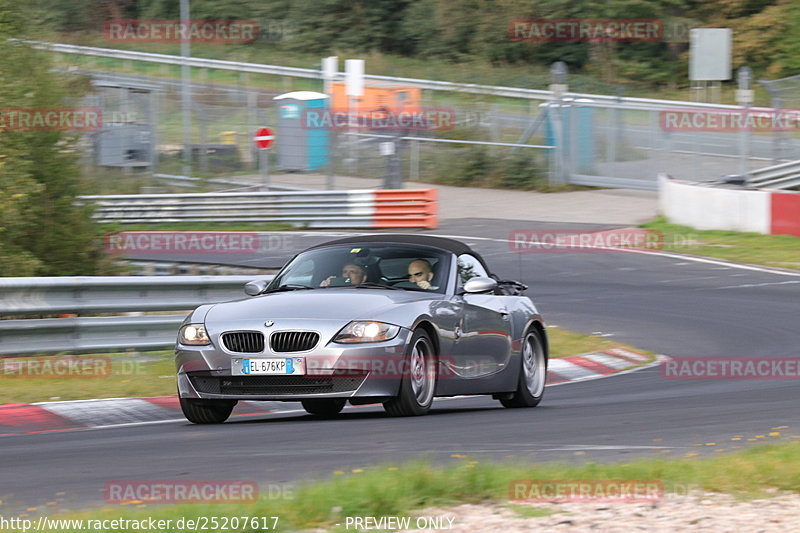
(263, 163)
(333, 141)
(252, 124)
(744, 97)
(414, 170)
(353, 140)
(559, 74)
(186, 94)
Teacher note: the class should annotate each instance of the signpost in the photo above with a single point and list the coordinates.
(264, 138)
(354, 88)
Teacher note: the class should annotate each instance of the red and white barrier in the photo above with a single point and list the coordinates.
(712, 208)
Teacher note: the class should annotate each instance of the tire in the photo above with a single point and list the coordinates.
(200, 411)
(324, 407)
(418, 382)
(532, 373)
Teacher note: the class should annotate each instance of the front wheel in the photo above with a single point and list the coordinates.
(418, 381)
(200, 411)
(324, 407)
(532, 375)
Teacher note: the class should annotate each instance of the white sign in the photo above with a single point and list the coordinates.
(386, 148)
(354, 77)
(710, 54)
(330, 68)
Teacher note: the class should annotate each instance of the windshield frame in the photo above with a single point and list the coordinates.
(445, 270)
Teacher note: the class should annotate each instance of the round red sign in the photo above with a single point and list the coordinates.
(264, 138)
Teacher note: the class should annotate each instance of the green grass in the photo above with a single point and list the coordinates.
(465, 71)
(400, 489)
(754, 248)
(564, 343)
(526, 511)
(147, 374)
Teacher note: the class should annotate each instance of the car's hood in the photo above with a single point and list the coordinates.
(320, 304)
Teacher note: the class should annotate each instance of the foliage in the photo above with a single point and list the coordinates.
(465, 31)
(42, 232)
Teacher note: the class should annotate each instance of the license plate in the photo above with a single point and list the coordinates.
(282, 366)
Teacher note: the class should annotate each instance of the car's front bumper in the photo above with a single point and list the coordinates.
(332, 371)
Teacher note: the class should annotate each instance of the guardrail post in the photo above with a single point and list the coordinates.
(414, 164)
(744, 97)
(559, 87)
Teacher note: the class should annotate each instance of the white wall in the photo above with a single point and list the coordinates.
(712, 208)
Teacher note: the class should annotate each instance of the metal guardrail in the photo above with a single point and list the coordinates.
(108, 294)
(189, 181)
(81, 295)
(782, 176)
(472, 88)
(88, 334)
(609, 181)
(409, 208)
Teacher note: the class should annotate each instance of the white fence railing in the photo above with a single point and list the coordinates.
(436, 85)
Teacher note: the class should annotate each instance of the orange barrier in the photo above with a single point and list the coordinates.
(406, 208)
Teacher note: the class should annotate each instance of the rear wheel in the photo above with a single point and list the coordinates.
(419, 379)
(206, 411)
(532, 375)
(324, 407)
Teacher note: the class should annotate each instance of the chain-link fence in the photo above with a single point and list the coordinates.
(492, 141)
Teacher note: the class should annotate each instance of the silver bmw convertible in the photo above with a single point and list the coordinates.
(391, 319)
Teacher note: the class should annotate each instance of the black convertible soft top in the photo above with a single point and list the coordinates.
(443, 243)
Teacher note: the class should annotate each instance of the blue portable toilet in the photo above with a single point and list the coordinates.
(577, 119)
(302, 146)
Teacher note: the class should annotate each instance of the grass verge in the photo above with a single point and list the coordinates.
(564, 343)
(769, 250)
(119, 375)
(397, 490)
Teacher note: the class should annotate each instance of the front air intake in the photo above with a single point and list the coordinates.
(293, 341)
(243, 341)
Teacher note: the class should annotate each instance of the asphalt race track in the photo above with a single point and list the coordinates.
(671, 305)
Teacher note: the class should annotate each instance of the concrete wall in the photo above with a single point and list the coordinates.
(701, 207)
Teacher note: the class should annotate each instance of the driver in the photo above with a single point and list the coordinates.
(356, 274)
(421, 273)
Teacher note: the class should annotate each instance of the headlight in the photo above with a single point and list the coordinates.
(194, 335)
(366, 331)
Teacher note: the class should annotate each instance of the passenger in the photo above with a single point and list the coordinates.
(353, 274)
(421, 273)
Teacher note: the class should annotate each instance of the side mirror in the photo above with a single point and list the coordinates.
(255, 287)
(478, 285)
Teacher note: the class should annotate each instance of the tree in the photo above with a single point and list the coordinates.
(42, 231)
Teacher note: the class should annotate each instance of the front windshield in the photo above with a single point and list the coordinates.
(408, 267)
